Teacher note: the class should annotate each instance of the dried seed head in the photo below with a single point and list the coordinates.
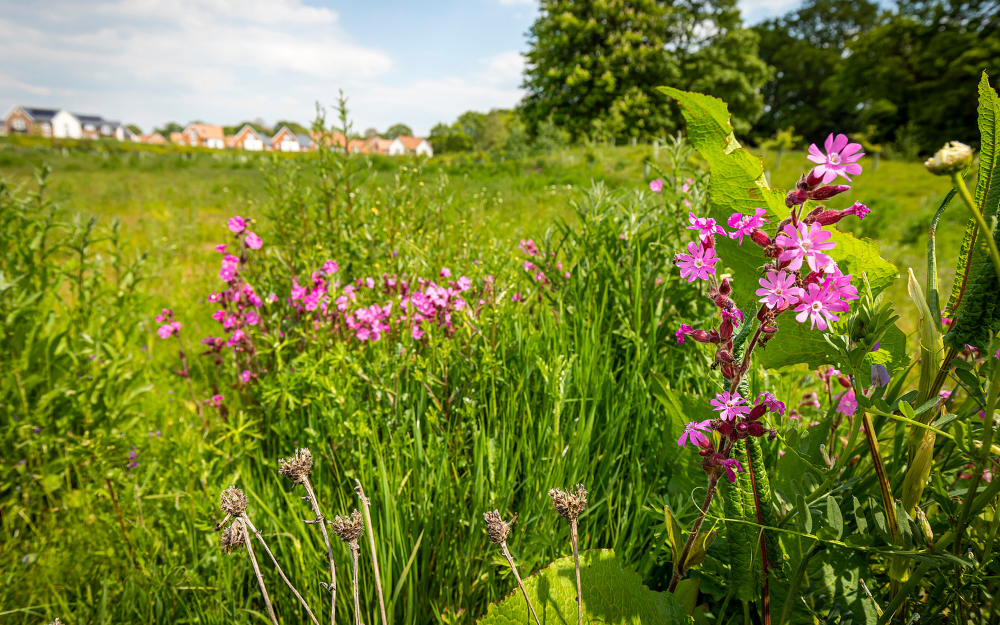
(954, 156)
(297, 467)
(497, 529)
(348, 528)
(232, 537)
(570, 505)
(234, 502)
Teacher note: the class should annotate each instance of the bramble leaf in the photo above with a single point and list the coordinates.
(610, 595)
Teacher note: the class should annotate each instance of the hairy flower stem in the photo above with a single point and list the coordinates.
(520, 584)
(260, 578)
(959, 182)
(984, 460)
(249, 524)
(332, 586)
(576, 562)
(371, 539)
(713, 481)
(354, 582)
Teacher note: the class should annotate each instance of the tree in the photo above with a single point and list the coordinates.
(168, 128)
(914, 76)
(295, 127)
(398, 130)
(134, 129)
(806, 48)
(449, 139)
(593, 67)
(371, 132)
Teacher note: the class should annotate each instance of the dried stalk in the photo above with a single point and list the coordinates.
(297, 469)
(234, 504)
(371, 539)
(260, 578)
(498, 530)
(570, 506)
(246, 521)
(349, 529)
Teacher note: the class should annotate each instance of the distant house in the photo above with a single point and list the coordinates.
(20, 120)
(305, 143)
(417, 145)
(201, 135)
(247, 139)
(286, 141)
(153, 139)
(390, 147)
(358, 146)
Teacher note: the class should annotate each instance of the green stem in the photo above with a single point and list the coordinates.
(991, 245)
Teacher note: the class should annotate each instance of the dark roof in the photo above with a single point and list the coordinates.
(304, 140)
(90, 119)
(41, 115)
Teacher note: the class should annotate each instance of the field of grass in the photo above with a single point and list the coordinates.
(548, 385)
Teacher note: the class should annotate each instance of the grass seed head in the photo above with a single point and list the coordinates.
(570, 505)
(234, 502)
(496, 528)
(298, 467)
(232, 538)
(348, 528)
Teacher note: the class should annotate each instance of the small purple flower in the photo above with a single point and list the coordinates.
(37, 430)
(729, 405)
(692, 432)
(772, 403)
(732, 466)
(848, 404)
(880, 375)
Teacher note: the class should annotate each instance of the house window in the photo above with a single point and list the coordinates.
(18, 124)
(105, 130)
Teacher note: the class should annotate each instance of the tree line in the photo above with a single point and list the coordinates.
(899, 78)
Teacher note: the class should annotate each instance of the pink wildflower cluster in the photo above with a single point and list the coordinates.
(170, 325)
(540, 268)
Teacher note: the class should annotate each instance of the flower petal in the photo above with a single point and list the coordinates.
(840, 142)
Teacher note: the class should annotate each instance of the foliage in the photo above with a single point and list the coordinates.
(397, 130)
(610, 595)
(598, 63)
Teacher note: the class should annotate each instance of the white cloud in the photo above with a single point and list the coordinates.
(755, 11)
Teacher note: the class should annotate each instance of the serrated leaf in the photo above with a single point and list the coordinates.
(610, 595)
(737, 184)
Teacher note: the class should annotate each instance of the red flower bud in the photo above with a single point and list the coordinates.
(726, 330)
(728, 371)
(709, 243)
(725, 428)
(796, 197)
(725, 288)
(742, 429)
(824, 193)
(701, 336)
(769, 329)
(760, 237)
(803, 183)
(757, 412)
(756, 428)
(724, 356)
(813, 179)
(844, 382)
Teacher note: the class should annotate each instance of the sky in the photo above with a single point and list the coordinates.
(147, 62)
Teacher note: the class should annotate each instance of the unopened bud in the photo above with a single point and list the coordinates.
(757, 412)
(701, 336)
(760, 237)
(844, 382)
(769, 329)
(814, 179)
(709, 242)
(728, 371)
(796, 197)
(723, 427)
(824, 193)
(726, 330)
(755, 428)
(724, 356)
(953, 157)
(725, 288)
(742, 429)
(925, 526)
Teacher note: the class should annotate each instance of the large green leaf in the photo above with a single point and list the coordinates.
(610, 595)
(738, 184)
(978, 297)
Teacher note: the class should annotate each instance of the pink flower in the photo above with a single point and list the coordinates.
(370, 283)
(176, 325)
(245, 376)
(772, 403)
(219, 315)
(165, 331)
(445, 272)
(230, 264)
(806, 243)
(221, 247)
(298, 292)
(860, 210)
(330, 267)
(697, 265)
(732, 465)
(743, 226)
(840, 159)
(252, 318)
(814, 305)
(691, 433)
(779, 289)
(681, 332)
(705, 225)
(729, 405)
(529, 266)
(417, 332)
(217, 400)
(528, 247)
(464, 284)
(236, 224)
(656, 186)
(840, 288)
(253, 241)
(848, 404)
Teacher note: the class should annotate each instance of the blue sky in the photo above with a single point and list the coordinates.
(222, 61)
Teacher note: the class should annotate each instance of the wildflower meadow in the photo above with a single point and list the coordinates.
(371, 395)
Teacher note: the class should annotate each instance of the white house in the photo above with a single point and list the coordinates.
(248, 139)
(66, 125)
(417, 145)
(286, 141)
(396, 148)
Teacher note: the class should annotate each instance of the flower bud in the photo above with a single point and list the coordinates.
(825, 193)
(796, 197)
(844, 382)
(742, 429)
(925, 526)
(700, 335)
(812, 180)
(723, 427)
(756, 428)
(953, 157)
(760, 237)
(728, 371)
(880, 375)
(709, 242)
(724, 356)
(725, 288)
(757, 412)
(726, 329)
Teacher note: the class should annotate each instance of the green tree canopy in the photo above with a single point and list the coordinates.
(295, 127)
(398, 130)
(593, 66)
